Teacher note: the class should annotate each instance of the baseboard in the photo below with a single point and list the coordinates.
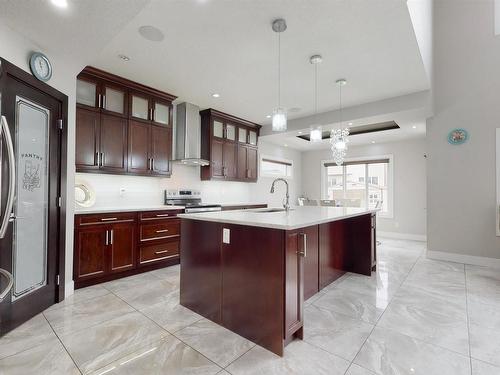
(69, 289)
(402, 236)
(461, 258)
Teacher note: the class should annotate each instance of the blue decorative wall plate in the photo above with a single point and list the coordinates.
(457, 136)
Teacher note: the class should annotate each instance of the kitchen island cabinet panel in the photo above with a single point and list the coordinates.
(294, 284)
(252, 284)
(201, 282)
(311, 262)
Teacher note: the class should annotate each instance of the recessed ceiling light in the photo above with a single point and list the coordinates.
(300, 132)
(414, 126)
(151, 33)
(124, 57)
(373, 141)
(60, 3)
(286, 145)
(215, 95)
(268, 116)
(350, 124)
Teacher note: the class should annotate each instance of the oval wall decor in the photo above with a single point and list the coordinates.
(457, 136)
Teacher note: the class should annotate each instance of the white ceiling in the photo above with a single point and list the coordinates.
(412, 125)
(228, 47)
(77, 33)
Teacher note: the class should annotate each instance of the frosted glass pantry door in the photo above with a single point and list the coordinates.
(29, 248)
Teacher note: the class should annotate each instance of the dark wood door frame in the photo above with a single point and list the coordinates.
(9, 69)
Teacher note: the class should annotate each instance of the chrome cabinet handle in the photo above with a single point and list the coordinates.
(162, 231)
(109, 218)
(98, 154)
(152, 164)
(162, 215)
(104, 101)
(12, 177)
(304, 245)
(151, 114)
(106, 242)
(161, 252)
(99, 97)
(102, 158)
(111, 238)
(9, 277)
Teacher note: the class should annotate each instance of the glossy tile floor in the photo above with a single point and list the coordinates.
(414, 316)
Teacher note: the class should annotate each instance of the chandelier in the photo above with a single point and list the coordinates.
(339, 136)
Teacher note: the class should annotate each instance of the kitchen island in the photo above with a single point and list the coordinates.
(251, 270)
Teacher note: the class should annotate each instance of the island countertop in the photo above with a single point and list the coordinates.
(297, 217)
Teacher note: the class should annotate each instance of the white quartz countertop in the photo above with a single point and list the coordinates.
(100, 210)
(297, 217)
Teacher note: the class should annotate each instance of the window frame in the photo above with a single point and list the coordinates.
(277, 160)
(390, 180)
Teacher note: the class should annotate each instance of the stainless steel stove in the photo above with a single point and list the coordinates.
(190, 199)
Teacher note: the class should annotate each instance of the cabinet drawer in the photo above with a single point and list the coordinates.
(107, 218)
(159, 215)
(159, 230)
(164, 250)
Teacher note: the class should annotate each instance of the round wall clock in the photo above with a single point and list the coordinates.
(40, 66)
(457, 136)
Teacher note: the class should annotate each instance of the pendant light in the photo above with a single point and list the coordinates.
(316, 131)
(338, 136)
(279, 113)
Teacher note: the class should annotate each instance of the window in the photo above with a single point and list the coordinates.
(365, 182)
(274, 167)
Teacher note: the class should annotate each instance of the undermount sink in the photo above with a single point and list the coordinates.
(269, 210)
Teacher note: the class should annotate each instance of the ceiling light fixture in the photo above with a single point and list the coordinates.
(124, 57)
(279, 113)
(316, 130)
(215, 95)
(338, 136)
(373, 141)
(349, 124)
(151, 33)
(268, 116)
(414, 127)
(60, 3)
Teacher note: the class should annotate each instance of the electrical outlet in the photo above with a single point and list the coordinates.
(122, 192)
(226, 234)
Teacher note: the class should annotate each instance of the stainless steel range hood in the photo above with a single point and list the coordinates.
(188, 135)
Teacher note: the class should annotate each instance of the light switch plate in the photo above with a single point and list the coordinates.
(226, 234)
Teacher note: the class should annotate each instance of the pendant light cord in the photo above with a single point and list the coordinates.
(279, 69)
(316, 93)
(340, 100)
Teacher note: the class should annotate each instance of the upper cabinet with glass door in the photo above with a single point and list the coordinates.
(99, 95)
(151, 109)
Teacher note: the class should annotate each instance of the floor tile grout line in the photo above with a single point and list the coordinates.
(468, 320)
(62, 343)
(378, 320)
(170, 333)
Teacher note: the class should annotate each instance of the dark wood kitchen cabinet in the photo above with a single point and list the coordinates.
(295, 251)
(149, 149)
(113, 245)
(122, 127)
(104, 244)
(230, 144)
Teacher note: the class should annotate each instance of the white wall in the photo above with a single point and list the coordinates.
(149, 190)
(16, 49)
(461, 179)
(409, 182)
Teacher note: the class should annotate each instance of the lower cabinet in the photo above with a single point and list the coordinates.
(113, 245)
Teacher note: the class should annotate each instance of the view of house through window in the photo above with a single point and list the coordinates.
(363, 183)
